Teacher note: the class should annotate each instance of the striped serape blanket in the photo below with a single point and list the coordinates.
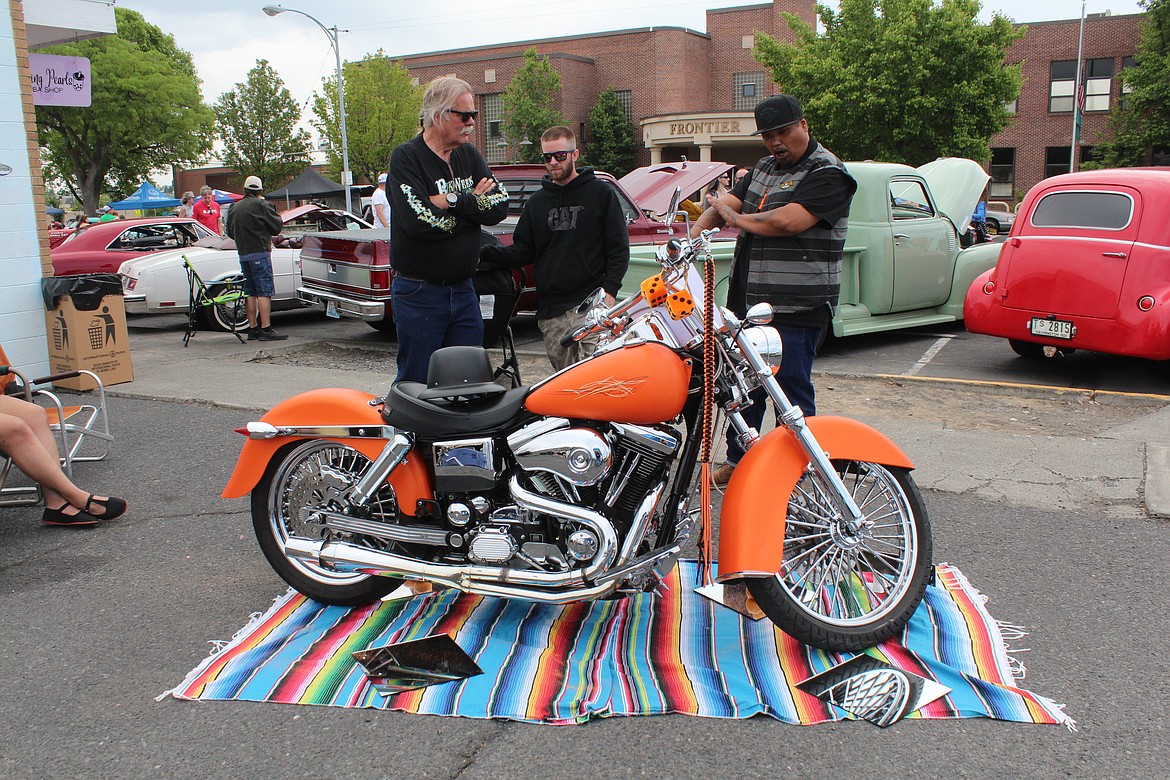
(669, 652)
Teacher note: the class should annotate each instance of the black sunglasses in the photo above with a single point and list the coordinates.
(464, 115)
(561, 155)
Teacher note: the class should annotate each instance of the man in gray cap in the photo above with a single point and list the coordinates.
(791, 210)
(251, 223)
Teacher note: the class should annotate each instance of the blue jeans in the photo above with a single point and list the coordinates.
(795, 378)
(428, 316)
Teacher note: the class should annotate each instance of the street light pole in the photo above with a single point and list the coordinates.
(332, 32)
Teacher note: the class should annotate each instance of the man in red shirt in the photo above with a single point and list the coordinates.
(206, 210)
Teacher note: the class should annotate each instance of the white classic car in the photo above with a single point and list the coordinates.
(157, 283)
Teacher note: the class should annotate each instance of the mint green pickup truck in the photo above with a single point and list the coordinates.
(903, 266)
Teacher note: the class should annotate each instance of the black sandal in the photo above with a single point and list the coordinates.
(111, 507)
(58, 517)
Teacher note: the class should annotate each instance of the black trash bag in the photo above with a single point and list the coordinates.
(86, 290)
(498, 291)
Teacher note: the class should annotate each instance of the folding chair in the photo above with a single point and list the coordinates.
(75, 426)
(228, 297)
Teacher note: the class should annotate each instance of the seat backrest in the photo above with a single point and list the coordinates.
(193, 275)
(7, 378)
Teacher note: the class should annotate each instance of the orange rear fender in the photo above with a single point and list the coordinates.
(755, 506)
(331, 406)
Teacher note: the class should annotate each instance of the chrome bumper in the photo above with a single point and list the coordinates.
(371, 311)
(135, 304)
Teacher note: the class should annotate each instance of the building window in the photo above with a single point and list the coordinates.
(749, 88)
(1062, 79)
(1003, 173)
(747, 41)
(493, 118)
(1012, 107)
(1088, 154)
(1126, 62)
(626, 98)
(1160, 155)
(1098, 84)
(1056, 160)
(489, 76)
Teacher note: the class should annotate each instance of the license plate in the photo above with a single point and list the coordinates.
(331, 310)
(1055, 329)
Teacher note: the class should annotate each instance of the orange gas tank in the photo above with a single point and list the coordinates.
(642, 384)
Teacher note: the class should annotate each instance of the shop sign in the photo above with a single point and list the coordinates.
(58, 80)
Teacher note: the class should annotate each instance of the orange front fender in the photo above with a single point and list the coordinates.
(331, 406)
(751, 525)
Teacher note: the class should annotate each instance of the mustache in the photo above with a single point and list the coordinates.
(467, 131)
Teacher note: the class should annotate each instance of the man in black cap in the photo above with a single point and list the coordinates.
(791, 210)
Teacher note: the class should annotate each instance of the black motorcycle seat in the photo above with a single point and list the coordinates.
(439, 418)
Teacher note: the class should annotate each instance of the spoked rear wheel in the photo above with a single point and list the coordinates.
(302, 478)
(843, 588)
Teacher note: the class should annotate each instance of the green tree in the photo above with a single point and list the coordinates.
(147, 112)
(899, 80)
(611, 135)
(528, 104)
(258, 124)
(381, 111)
(1143, 120)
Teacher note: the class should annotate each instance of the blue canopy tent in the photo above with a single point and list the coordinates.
(146, 196)
(53, 211)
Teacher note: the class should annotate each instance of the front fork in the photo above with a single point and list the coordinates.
(792, 418)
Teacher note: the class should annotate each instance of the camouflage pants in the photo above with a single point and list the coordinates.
(555, 328)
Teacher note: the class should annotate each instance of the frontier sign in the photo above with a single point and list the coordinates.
(706, 127)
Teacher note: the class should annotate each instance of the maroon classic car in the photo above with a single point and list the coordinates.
(103, 246)
(349, 273)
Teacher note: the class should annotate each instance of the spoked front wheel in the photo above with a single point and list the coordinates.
(845, 588)
(301, 480)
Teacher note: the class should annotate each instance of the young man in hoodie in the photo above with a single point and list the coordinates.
(574, 230)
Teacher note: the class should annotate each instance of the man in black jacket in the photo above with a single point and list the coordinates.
(251, 223)
(441, 192)
(574, 229)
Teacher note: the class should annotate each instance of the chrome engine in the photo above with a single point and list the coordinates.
(570, 514)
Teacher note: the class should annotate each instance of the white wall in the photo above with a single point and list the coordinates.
(22, 312)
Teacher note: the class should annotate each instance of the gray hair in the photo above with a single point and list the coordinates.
(441, 94)
(204, 190)
(187, 196)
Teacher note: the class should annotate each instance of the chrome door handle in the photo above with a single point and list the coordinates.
(1114, 254)
(901, 235)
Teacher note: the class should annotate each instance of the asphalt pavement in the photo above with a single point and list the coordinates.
(1055, 531)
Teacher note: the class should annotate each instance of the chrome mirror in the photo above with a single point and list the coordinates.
(672, 209)
(760, 314)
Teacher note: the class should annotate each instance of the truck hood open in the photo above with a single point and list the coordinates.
(653, 185)
(956, 184)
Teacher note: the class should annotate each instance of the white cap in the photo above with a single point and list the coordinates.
(381, 178)
(105, 208)
(253, 183)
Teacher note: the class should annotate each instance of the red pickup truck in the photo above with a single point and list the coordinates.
(348, 273)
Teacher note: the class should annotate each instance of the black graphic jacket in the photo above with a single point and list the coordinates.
(427, 242)
(576, 234)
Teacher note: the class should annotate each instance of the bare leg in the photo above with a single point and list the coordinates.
(251, 307)
(263, 311)
(25, 436)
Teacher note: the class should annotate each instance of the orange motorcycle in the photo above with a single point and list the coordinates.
(589, 483)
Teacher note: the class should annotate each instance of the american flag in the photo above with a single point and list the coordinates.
(1080, 97)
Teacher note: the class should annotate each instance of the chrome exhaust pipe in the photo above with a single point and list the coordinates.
(360, 560)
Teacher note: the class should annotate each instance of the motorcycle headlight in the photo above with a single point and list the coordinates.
(767, 342)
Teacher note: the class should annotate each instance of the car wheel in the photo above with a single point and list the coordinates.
(384, 325)
(993, 227)
(221, 317)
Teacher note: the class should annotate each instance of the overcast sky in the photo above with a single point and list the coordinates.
(226, 37)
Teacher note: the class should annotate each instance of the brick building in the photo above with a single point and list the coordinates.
(1037, 143)
(691, 93)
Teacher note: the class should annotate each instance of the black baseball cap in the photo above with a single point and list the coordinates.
(776, 112)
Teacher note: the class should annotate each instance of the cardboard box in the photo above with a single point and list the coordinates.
(94, 340)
